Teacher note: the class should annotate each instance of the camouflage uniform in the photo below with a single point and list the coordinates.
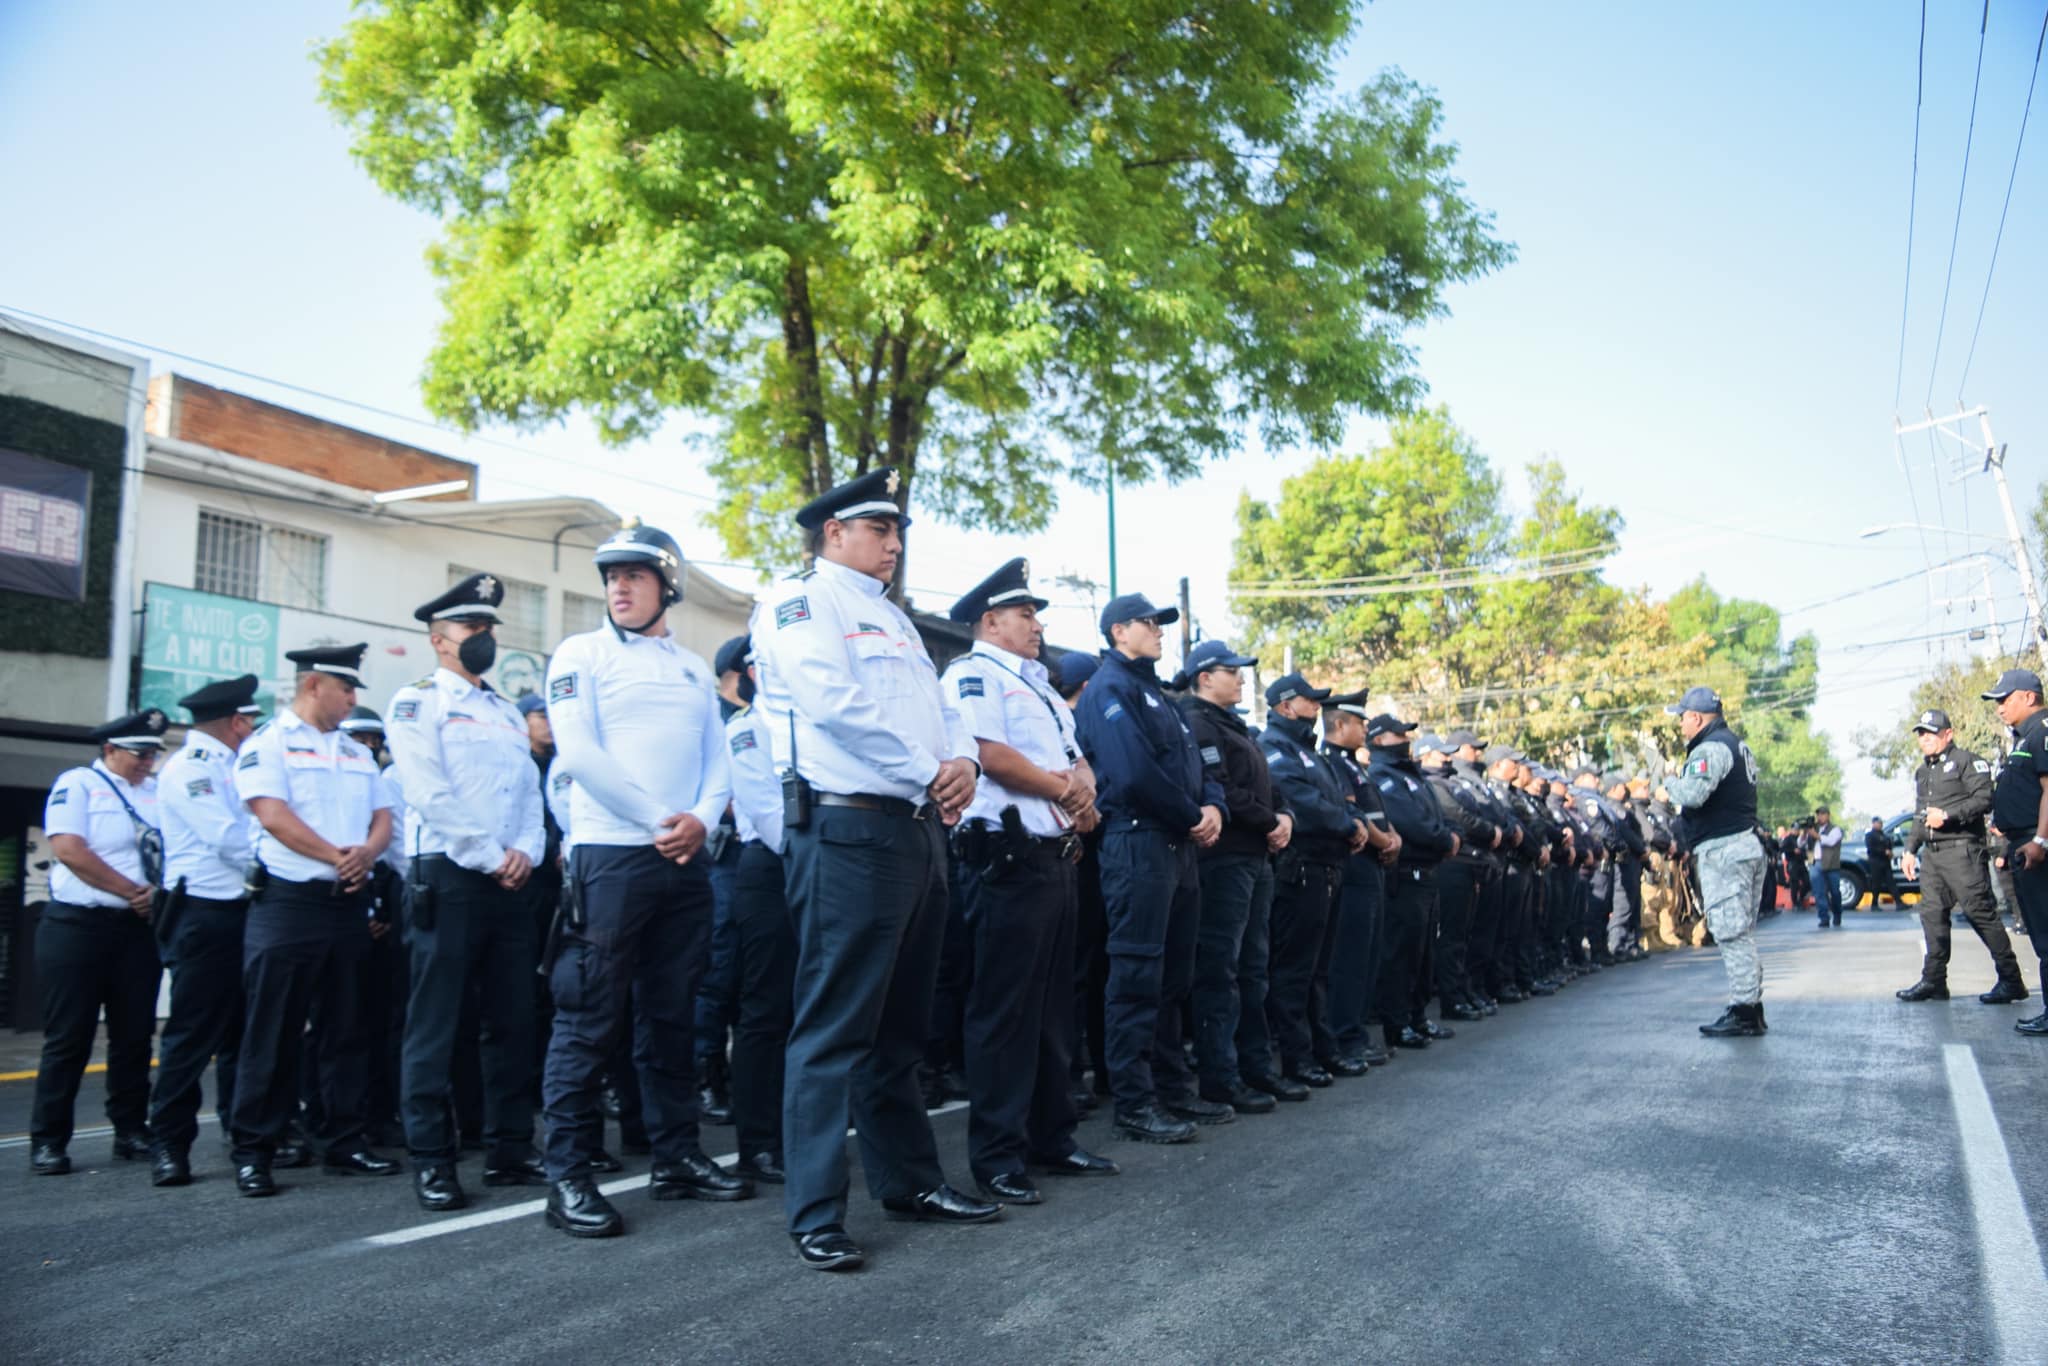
(1731, 867)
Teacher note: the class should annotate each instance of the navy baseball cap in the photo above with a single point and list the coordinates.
(1933, 721)
(2012, 681)
(1074, 668)
(1383, 724)
(1700, 699)
(1289, 686)
(1131, 606)
(1431, 743)
(1457, 739)
(1214, 654)
(529, 703)
(1495, 753)
(732, 656)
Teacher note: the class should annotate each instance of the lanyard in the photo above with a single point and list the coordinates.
(1043, 701)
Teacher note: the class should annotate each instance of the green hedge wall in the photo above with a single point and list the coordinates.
(39, 625)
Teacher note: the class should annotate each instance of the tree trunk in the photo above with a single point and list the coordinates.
(800, 342)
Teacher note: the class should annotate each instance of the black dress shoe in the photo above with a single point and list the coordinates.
(696, 1177)
(254, 1179)
(1013, 1188)
(1241, 1099)
(1924, 990)
(1407, 1038)
(292, 1153)
(438, 1189)
(1485, 1006)
(1511, 996)
(1375, 1056)
(1308, 1074)
(1461, 1011)
(829, 1249)
(1199, 1111)
(48, 1159)
(515, 1169)
(763, 1167)
(1079, 1162)
(941, 1206)
(1151, 1124)
(1085, 1101)
(579, 1209)
(1436, 1031)
(1543, 988)
(1279, 1088)
(361, 1162)
(714, 1107)
(170, 1168)
(131, 1145)
(1344, 1067)
(2008, 990)
(602, 1161)
(2036, 1025)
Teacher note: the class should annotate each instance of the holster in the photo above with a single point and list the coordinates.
(165, 908)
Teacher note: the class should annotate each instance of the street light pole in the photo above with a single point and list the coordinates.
(1109, 482)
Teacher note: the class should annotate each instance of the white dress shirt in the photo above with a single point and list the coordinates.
(1010, 699)
(326, 777)
(82, 803)
(466, 767)
(756, 793)
(209, 836)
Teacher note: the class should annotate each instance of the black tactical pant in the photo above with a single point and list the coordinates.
(1303, 897)
(2030, 889)
(1410, 900)
(90, 958)
(1355, 959)
(1955, 877)
(1457, 897)
(205, 1027)
(764, 971)
(1229, 884)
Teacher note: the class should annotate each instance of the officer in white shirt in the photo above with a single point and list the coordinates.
(474, 830)
(324, 820)
(763, 942)
(876, 761)
(209, 842)
(94, 950)
(636, 727)
(387, 984)
(1014, 857)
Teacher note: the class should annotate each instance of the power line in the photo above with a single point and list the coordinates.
(2012, 176)
(1912, 205)
(1963, 184)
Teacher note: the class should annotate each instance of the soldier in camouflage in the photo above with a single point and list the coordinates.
(1715, 789)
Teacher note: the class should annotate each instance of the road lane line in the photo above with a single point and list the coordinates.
(526, 1209)
(2014, 1280)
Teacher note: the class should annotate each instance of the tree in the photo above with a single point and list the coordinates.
(985, 241)
(1956, 688)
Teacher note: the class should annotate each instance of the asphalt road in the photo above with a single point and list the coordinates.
(1580, 1179)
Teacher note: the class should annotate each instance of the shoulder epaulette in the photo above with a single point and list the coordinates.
(426, 682)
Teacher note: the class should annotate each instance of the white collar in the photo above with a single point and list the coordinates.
(850, 578)
(1015, 663)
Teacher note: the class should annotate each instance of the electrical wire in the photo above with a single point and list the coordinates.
(1912, 205)
(1962, 185)
(2018, 143)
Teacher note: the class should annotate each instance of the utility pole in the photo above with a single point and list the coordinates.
(1187, 622)
(1993, 457)
(1109, 482)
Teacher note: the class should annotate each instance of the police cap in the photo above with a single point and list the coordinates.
(871, 495)
(1384, 724)
(1009, 586)
(138, 730)
(1131, 606)
(1933, 721)
(732, 656)
(476, 598)
(1701, 699)
(1458, 739)
(222, 697)
(1287, 687)
(361, 720)
(2012, 681)
(344, 662)
(1353, 702)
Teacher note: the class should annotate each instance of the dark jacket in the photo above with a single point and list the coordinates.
(1322, 818)
(1148, 769)
(1412, 810)
(1232, 760)
(1463, 813)
(1959, 783)
(2016, 797)
(1363, 867)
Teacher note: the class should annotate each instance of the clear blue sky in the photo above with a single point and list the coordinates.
(1703, 326)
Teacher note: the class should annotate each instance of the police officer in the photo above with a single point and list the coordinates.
(544, 885)
(1306, 876)
(1458, 878)
(763, 940)
(1715, 789)
(1361, 898)
(718, 994)
(876, 762)
(1607, 917)
(209, 841)
(324, 819)
(636, 727)
(474, 830)
(1951, 798)
(94, 950)
(1482, 946)
(1015, 851)
(2017, 811)
(1091, 930)
(386, 983)
(1158, 810)
(1426, 841)
(1232, 967)
(1877, 859)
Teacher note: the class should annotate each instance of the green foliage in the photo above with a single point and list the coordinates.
(1955, 688)
(30, 622)
(957, 237)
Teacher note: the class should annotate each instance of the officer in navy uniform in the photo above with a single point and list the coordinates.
(1158, 809)
(2016, 813)
(1091, 928)
(386, 985)
(94, 950)
(1459, 878)
(1306, 877)
(718, 993)
(324, 818)
(1411, 883)
(1015, 850)
(1361, 899)
(875, 762)
(209, 843)
(636, 728)
(763, 940)
(474, 830)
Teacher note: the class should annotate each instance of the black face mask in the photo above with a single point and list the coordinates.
(478, 652)
(1398, 751)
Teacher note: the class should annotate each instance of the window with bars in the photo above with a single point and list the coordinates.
(243, 558)
(581, 612)
(523, 615)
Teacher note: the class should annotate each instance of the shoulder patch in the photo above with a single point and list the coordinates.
(1699, 766)
(744, 739)
(795, 610)
(971, 686)
(1112, 711)
(1980, 767)
(248, 760)
(200, 787)
(408, 710)
(1212, 754)
(561, 689)
(60, 796)
(869, 627)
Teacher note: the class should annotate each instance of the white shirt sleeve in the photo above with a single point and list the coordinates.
(579, 746)
(808, 654)
(412, 727)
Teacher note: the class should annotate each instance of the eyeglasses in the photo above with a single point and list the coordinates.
(1152, 622)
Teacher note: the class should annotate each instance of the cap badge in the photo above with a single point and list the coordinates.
(486, 586)
(893, 482)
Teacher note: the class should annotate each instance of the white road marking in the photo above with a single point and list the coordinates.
(525, 1209)
(2014, 1280)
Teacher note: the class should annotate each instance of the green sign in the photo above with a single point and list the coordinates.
(190, 638)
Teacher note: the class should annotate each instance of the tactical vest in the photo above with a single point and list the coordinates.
(1730, 809)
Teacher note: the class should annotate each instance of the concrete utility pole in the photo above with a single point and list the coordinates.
(1187, 622)
(1993, 457)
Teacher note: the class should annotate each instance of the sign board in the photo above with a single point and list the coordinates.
(190, 638)
(43, 526)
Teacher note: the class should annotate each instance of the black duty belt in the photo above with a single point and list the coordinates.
(862, 801)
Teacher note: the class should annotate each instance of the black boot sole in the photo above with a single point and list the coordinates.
(611, 1230)
(1138, 1136)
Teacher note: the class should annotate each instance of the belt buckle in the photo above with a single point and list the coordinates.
(1070, 847)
